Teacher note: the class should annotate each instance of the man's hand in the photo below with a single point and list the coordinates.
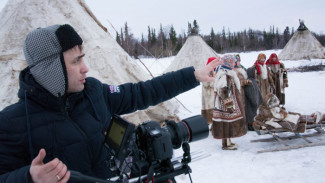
(53, 171)
(206, 73)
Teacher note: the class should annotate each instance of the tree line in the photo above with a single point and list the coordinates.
(166, 42)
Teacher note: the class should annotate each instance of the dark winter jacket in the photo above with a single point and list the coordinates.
(71, 128)
(253, 97)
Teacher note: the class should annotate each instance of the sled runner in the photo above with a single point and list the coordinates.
(310, 138)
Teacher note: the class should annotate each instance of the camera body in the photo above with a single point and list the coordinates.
(150, 145)
(154, 141)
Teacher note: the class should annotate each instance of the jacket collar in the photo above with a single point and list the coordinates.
(40, 95)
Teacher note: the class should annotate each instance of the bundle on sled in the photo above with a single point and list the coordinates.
(314, 121)
(272, 119)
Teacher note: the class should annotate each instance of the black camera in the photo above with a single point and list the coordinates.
(150, 146)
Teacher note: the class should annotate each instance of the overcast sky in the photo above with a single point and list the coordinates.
(236, 15)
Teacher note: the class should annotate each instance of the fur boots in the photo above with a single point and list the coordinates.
(228, 145)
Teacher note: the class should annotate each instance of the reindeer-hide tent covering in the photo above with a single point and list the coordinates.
(106, 60)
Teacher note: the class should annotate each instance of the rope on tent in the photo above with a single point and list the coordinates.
(153, 77)
(84, 5)
(148, 68)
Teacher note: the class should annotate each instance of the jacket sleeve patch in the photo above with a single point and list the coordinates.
(114, 89)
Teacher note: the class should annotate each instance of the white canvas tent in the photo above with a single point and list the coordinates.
(302, 45)
(195, 52)
(106, 60)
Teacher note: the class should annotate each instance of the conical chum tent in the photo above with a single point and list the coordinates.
(195, 52)
(106, 60)
(302, 45)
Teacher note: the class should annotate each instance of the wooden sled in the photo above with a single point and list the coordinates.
(310, 124)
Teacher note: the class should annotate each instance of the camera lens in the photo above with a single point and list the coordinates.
(198, 127)
(188, 130)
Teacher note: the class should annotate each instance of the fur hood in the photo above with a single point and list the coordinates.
(242, 72)
(264, 71)
(220, 80)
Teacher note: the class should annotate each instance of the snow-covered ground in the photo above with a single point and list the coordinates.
(304, 95)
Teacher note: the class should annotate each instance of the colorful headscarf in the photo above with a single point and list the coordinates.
(260, 56)
(237, 57)
(270, 60)
(228, 61)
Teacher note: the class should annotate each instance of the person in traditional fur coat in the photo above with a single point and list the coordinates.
(249, 91)
(262, 76)
(237, 56)
(208, 97)
(242, 76)
(279, 76)
(228, 113)
(253, 98)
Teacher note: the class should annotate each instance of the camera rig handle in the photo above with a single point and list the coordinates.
(187, 155)
(81, 177)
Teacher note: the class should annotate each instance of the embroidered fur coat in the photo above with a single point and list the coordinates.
(264, 80)
(279, 76)
(228, 113)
